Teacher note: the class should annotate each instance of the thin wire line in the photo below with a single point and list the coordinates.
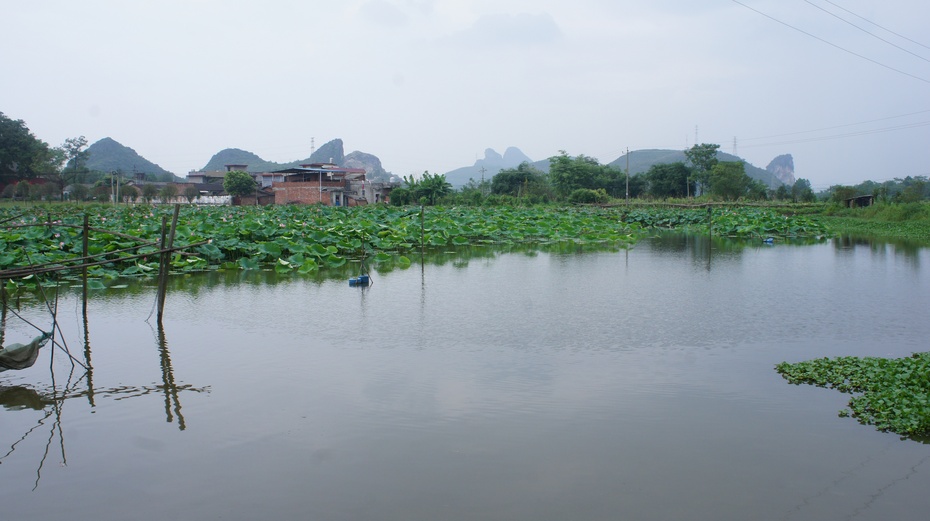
(873, 35)
(835, 127)
(877, 25)
(838, 136)
(832, 44)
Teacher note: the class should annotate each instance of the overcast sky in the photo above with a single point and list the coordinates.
(430, 84)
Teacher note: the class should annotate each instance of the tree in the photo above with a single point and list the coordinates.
(474, 192)
(522, 181)
(802, 192)
(79, 192)
(588, 196)
(913, 193)
(781, 193)
(638, 185)
(190, 193)
(47, 191)
(130, 192)
(22, 155)
(75, 158)
(757, 190)
(149, 191)
(401, 196)
(239, 183)
(842, 193)
(22, 190)
(729, 180)
(101, 192)
(168, 192)
(430, 188)
(568, 174)
(434, 187)
(668, 180)
(703, 158)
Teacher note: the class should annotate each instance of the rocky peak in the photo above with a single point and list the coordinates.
(514, 156)
(782, 167)
(372, 165)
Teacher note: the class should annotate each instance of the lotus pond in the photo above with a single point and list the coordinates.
(305, 239)
(577, 379)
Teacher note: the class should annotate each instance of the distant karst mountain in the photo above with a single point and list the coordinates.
(640, 162)
(783, 168)
(107, 155)
(331, 152)
(492, 163)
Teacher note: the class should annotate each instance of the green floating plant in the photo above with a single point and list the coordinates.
(891, 393)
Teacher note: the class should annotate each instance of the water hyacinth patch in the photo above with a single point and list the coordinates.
(892, 394)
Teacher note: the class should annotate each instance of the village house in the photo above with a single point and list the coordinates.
(325, 183)
(210, 183)
(314, 183)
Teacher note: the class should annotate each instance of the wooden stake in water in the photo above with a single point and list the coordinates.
(163, 266)
(85, 253)
(710, 221)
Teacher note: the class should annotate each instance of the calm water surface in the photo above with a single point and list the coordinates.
(615, 385)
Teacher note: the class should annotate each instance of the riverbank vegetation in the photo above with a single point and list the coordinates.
(888, 220)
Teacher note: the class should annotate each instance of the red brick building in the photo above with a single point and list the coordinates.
(323, 183)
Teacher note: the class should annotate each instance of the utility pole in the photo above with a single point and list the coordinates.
(482, 179)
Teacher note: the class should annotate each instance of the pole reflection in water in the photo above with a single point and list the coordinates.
(51, 402)
(169, 387)
(87, 361)
(28, 394)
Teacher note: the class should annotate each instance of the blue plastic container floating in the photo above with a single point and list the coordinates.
(361, 280)
(770, 240)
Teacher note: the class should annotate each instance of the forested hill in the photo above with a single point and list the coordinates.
(107, 155)
(331, 152)
(642, 160)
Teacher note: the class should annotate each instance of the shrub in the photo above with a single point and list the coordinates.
(588, 196)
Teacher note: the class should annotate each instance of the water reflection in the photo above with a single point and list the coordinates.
(51, 402)
(169, 386)
(23, 392)
(909, 250)
(604, 383)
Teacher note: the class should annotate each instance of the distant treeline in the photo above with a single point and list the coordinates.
(907, 190)
(581, 179)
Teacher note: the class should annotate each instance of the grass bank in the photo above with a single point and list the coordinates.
(906, 221)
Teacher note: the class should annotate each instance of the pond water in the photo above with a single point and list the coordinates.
(634, 384)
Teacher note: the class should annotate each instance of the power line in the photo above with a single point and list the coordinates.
(876, 25)
(837, 126)
(839, 136)
(873, 35)
(832, 44)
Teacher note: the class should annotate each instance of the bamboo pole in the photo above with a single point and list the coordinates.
(84, 252)
(13, 274)
(165, 259)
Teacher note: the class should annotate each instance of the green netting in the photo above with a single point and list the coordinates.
(21, 356)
